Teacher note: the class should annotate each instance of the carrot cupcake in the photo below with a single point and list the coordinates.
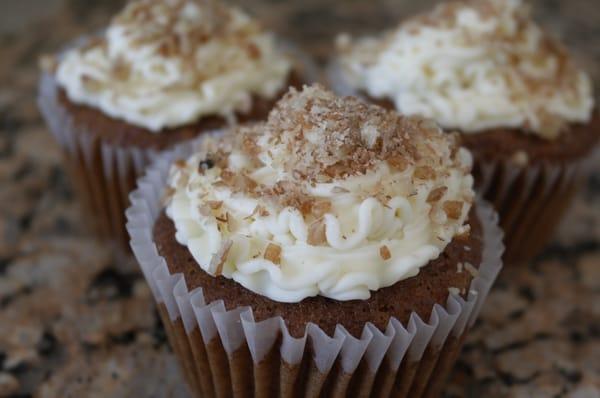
(163, 72)
(335, 247)
(522, 106)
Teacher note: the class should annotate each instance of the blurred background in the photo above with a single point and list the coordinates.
(73, 324)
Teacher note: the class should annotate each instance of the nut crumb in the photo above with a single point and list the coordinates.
(214, 204)
(219, 258)
(273, 253)
(384, 252)
(453, 209)
(424, 173)
(436, 194)
(316, 233)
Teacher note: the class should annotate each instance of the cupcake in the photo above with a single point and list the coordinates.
(163, 72)
(520, 103)
(335, 249)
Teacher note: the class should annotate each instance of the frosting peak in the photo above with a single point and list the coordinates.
(329, 196)
(473, 65)
(167, 63)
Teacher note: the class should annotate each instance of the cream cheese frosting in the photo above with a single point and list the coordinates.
(472, 65)
(167, 63)
(329, 196)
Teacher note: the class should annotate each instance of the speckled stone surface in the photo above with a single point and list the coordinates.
(77, 320)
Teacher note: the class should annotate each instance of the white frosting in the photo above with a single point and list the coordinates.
(348, 264)
(167, 63)
(473, 66)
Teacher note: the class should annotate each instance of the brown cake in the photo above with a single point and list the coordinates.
(418, 294)
(521, 105)
(163, 72)
(290, 253)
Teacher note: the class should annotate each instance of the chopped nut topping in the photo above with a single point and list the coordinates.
(344, 149)
(436, 194)
(214, 204)
(219, 258)
(253, 51)
(121, 70)
(453, 209)
(384, 252)
(273, 253)
(90, 83)
(320, 208)
(205, 211)
(424, 173)
(261, 211)
(316, 233)
(397, 162)
(224, 218)
(337, 190)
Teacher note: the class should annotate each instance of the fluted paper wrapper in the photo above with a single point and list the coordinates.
(103, 174)
(227, 353)
(530, 199)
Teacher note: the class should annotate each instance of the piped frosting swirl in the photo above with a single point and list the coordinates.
(330, 196)
(472, 65)
(167, 63)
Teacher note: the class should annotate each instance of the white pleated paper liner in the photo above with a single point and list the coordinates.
(236, 331)
(531, 200)
(104, 174)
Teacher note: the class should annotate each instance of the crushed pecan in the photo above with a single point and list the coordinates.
(273, 253)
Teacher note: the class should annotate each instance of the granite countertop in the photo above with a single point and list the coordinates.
(78, 320)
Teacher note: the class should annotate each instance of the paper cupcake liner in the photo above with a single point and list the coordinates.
(102, 174)
(225, 353)
(530, 200)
